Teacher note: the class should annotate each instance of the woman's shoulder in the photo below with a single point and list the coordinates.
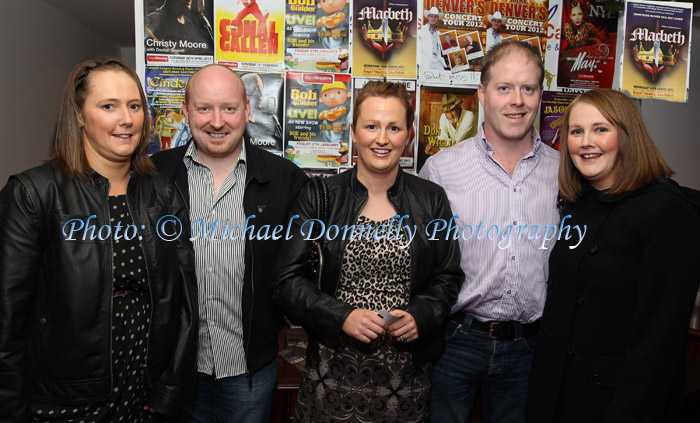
(668, 198)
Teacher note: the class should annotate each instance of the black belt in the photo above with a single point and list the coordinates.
(500, 330)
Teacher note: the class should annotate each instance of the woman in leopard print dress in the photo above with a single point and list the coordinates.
(363, 367)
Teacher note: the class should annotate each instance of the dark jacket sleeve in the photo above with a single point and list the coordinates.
(171, 389)
(431, 306)
(299, 298)
(20, 260)
(667, 286)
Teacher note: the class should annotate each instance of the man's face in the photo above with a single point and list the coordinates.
(453, 115)
(511, 99)
(334, 97)
(448, 38)
(216, 112)
(496, 24)
(433, 19)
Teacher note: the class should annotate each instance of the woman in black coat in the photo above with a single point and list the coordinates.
(612, 344)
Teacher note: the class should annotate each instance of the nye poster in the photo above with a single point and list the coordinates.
(587, 49)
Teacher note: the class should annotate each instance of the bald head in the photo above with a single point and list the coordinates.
(217, 74)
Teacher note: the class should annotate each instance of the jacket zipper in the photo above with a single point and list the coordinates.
(110, 334)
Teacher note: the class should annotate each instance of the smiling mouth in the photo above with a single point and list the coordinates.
(216, 135)
(515, 116)
(591, 155)
(123, 136)
(381, 151)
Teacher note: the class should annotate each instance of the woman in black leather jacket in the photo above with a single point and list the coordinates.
(362, 366)
(97, 293)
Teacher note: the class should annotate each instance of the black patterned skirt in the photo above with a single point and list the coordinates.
(356, 382)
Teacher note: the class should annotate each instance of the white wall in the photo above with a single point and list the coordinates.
(40, 46)
(675, 127)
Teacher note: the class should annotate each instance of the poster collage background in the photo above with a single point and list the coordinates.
(302, 62)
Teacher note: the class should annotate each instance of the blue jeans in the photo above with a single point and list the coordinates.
(472, 360)
(229, 400)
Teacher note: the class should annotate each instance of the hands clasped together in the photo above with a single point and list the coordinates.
(366, 325)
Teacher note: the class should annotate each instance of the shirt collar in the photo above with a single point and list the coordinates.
(192, 155)
(488, 149)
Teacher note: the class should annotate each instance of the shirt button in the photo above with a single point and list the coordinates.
(515, 222)
(211, 297)
(594, 249)
(512, 258)
(515, 190)
(210, 269)
(211, 323)
(579, 301)
(571, 352)
(509, 292)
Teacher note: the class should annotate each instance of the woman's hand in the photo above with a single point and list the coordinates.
(404, 329)
(363, 325)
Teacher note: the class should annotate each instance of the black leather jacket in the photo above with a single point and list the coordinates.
(56, 294)
(271, 184)
(436, 275)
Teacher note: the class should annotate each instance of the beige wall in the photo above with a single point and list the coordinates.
(40, 46)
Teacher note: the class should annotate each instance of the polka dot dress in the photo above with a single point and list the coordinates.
(131, 315)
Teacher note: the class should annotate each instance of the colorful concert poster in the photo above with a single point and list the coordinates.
(384, 38)
(554, 105)
(265, 92)
(447, 116)
(454, 35)
(165, 92)
(656, 54)
(250, 34)
(317, 121)
(587, 45)
(408, 158)
(178, 33)
(317, 36)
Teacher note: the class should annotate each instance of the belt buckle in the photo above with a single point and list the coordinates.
(501, 330)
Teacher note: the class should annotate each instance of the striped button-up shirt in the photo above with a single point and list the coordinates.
(501, 226)
(220, 265)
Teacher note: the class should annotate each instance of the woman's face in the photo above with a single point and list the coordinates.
(457, 60)
(111, 116)
(381, 134)
(576, 15)
(592, 142)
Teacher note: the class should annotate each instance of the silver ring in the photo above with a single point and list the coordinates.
(402, 338)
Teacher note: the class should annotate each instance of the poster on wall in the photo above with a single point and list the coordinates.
(384, 38)
(250, 34)
(587, 45)
(551, 57)
(265, 92)
(317, 36)
(408, 157)
(447, 116)
(455, 35)
(656, 54)
(165, 92)
(178, 33)
(552, 110)
(317, 122)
